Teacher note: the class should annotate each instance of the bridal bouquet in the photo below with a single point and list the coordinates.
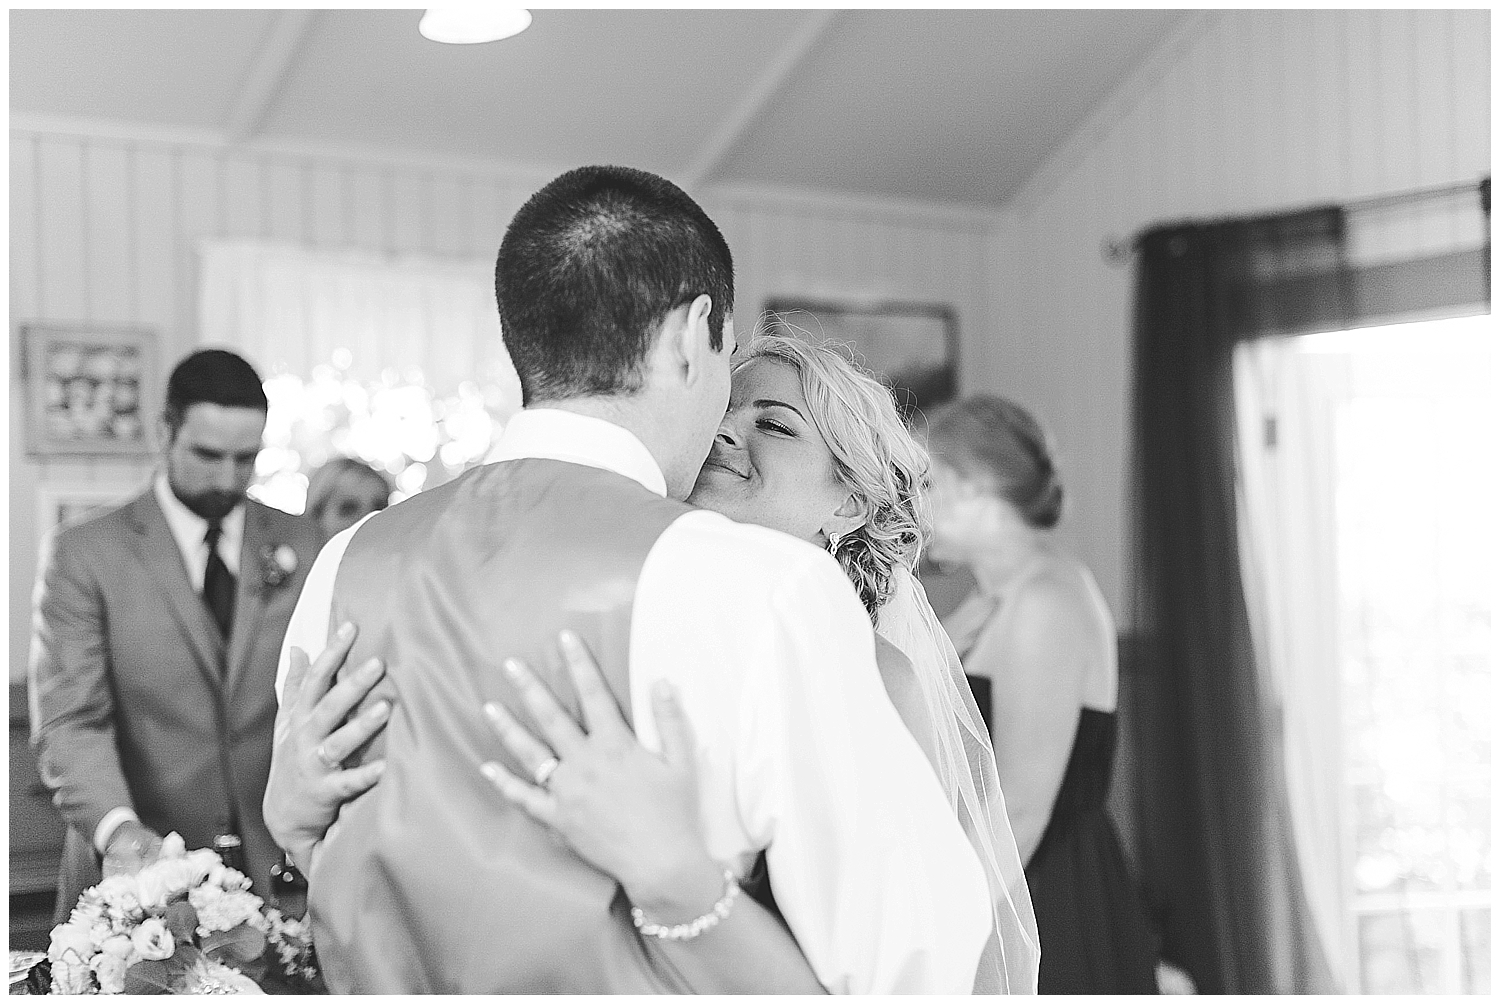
(184, 923)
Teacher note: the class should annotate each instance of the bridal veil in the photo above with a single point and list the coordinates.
(966, 767)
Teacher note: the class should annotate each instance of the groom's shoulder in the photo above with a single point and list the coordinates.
(721, 534)
(708, 545)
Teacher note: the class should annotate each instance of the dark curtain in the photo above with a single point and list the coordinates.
(1206, 808)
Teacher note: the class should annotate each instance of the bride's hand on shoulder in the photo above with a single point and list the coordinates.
(308, 782)
(631, 813)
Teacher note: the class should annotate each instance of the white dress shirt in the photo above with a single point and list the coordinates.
(800, 751)
(188, 530)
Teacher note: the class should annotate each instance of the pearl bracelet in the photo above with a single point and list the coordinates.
(695, 927)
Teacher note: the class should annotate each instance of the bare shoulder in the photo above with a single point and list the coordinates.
(1056, 595)
(1060, 608)
(895, 668)
(899, 676)
(1062, 593)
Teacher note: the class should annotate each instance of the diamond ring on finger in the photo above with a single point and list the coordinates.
(545, 770)
(327, 759)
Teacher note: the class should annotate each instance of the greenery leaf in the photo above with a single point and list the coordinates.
(240, 944)
(182, 921)
(158, 976)
(152, 976)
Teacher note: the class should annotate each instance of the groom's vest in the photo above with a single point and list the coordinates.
(432, 882)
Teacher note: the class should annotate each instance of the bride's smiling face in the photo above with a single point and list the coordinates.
(769, 464)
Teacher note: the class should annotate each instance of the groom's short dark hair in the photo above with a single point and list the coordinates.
(588, 269)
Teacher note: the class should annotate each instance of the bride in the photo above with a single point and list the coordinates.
(807, 441)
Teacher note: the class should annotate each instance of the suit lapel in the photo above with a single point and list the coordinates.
(250, 596)
(163, 561)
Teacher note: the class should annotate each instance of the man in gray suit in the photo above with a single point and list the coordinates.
(155, 636)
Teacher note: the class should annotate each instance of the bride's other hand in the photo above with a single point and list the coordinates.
(308, 782)
(631, 813)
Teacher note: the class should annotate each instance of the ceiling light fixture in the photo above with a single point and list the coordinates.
(466, 22)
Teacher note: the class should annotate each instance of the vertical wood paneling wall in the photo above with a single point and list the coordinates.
(106, 230)
(1249, 112)
(834, 250)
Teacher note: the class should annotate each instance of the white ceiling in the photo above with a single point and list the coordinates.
(957, 105)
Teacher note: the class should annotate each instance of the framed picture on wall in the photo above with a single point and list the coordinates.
(57, 504)
(911, 347)
(88, 389)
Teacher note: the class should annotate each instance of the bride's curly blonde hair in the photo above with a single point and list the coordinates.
(874, 454)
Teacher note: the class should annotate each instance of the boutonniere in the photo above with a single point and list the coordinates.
(277, 563)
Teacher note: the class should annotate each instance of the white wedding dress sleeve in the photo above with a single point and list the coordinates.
(966, 767)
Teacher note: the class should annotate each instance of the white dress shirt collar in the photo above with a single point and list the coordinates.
(188, 529)
(553, 434)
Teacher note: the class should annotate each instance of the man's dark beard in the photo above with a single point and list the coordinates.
(211, 505)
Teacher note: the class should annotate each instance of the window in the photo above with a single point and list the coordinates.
(395, 360)
(1415, 504)
(1383, 443)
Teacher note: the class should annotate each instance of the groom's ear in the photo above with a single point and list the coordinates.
(693, 350)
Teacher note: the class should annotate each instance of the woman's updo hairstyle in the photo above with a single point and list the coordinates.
(874, 453)
(997, 443)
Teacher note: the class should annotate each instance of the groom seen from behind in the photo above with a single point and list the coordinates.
(615, 292)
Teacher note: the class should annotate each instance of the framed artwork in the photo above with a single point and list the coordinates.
(88, 389)
(911, 347)
(57, 504)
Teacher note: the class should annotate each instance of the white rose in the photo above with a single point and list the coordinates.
(173, 846)
(109, 970)
(153, 940)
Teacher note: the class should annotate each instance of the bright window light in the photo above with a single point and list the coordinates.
(1415, 511)
(1476, 331)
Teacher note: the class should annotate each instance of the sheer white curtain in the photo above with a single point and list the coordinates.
(290, 309)
(1286, 405)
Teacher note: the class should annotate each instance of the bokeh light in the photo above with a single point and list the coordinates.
(397, 424)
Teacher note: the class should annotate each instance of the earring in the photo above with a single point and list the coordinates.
(833, 543)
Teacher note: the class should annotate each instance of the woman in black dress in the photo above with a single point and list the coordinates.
(1039, 630)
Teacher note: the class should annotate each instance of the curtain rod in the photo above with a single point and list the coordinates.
(1118, 250)
(1423, 194)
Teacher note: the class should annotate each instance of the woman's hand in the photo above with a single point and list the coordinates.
(630, 813)
(308, 783)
